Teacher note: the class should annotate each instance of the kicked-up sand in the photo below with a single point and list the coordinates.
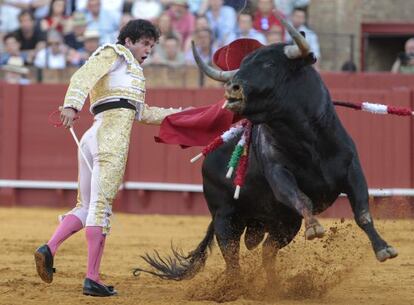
(339, 269)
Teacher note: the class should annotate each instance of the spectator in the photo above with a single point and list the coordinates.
(170, 53)
(205, 45)
(9, 16)
(125, 18)
(54, 55)
(265, 16)
(70, 7)
(40, 8)
(197, 7)
(166, 28)
(246, 30)
(222, 20)
(108, 5)
(181, 19)
(127, 7)
(113, 5)
(405, 60)
(238, 5)
(74, 39)
(274, 34)
(298, 19)
(286, 7)
(11, 49)
(56, 19)
(30, 36)
(91, 43)
(201, 23)
(15, 72)
(106, 22)
(146, 9)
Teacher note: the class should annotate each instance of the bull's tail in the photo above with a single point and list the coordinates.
(179, 266)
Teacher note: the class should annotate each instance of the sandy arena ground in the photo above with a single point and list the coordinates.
(339, 269)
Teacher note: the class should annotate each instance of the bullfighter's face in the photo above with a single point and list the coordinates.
(141, 48)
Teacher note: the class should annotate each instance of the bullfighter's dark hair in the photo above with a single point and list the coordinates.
(137, 29)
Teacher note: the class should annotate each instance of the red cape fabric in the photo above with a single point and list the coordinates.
(196, 126)
(199, 126)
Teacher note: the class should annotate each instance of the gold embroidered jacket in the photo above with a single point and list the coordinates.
(112, 73)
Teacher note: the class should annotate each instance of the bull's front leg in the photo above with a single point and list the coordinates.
(357, 192)
(286, 191)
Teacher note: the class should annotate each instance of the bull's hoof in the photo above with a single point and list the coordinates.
(386, 253)
(314, 231)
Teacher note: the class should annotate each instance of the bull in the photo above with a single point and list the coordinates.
(301, 160)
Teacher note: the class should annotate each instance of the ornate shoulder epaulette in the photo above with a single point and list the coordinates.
(133, 66)
(121, 51)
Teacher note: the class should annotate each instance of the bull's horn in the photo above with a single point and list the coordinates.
(302, 49)
(221, 76)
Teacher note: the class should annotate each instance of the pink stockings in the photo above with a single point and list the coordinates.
(96, 242)
(69, 226)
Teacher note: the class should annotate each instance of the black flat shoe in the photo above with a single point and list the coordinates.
(95, 289)
(44, 263)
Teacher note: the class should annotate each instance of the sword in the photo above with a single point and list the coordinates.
(80, 149)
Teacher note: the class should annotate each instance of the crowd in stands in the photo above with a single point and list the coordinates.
(55, 34)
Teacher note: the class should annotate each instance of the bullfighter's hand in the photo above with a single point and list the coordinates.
(67, 116)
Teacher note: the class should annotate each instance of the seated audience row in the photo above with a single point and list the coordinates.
(55, 34)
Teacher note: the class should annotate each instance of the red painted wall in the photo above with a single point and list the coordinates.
(31, 149)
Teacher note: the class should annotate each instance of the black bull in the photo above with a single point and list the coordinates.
(301, 159)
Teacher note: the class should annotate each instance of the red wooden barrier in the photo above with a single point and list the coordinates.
(30, 149)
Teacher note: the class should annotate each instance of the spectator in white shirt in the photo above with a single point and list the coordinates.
(298, 20)
(54, 55)
(109, 5)
(146, 9)
(222, 20)
(105, 21)
(246, 30)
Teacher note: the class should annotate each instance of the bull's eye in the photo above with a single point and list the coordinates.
(268, 65)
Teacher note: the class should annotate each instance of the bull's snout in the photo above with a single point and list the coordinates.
(234, 87)
(234, 96)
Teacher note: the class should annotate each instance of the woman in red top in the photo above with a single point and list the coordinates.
(56, 18)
